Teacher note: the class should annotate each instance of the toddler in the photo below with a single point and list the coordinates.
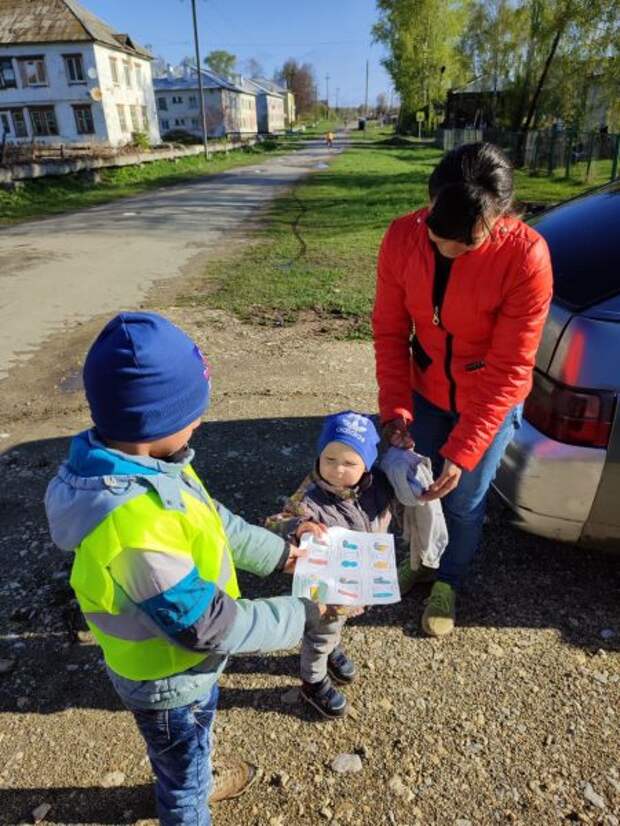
(348, 490)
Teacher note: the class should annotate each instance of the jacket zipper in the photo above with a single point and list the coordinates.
(439, 293)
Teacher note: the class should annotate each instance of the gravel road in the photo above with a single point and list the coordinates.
(514, 719)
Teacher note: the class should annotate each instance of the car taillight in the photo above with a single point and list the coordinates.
(575, 417)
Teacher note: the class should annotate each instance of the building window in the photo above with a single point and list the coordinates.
(19, 123)
(193, 102)
(135, 122)
(179, 121)
(122, 120)
(7, 74)
(84, 120)
(43, 120)
(138, 70)
(177, 99)
(114, 70)
(195, 123)
(33, 70)
(127, 70)
(162, 104)
(145, 118)
(5, 122)
(165, 125)
(74, 68)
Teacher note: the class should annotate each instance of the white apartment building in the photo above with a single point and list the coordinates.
(68, 77)
(270, 106)
(229, 109)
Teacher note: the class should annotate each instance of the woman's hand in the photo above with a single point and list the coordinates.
(315, 528)
(447, 482)
(396, 433)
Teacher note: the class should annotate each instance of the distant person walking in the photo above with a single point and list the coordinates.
(329, 139)
(463, 291)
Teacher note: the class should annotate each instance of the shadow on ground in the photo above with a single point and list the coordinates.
(250, 465)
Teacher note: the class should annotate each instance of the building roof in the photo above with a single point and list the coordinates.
(271, 86)
(210, 80)
(59, 21)
(483, 85)
(257, 87)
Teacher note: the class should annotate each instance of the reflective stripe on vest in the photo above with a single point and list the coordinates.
(132, 645)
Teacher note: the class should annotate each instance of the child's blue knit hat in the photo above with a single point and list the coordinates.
(354, 430)
(144, 379)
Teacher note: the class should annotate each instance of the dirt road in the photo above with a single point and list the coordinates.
(67, 269)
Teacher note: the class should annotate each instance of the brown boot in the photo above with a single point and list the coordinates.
(232, 780)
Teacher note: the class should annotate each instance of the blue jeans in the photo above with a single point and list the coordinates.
(465, 507)
(178, 742)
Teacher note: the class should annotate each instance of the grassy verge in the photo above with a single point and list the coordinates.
(319, 249)
(53, 195)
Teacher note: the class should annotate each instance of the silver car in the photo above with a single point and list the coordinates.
(561, 474)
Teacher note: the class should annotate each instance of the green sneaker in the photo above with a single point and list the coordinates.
(438, 616)
(407, 578)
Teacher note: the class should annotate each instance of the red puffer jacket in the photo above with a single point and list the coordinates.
(475, 353)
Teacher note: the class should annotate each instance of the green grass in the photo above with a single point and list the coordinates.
(53, 195)
(319, 249)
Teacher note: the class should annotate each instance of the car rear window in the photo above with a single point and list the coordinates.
(584, 240)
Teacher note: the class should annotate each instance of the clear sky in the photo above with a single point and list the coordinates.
(333, 35)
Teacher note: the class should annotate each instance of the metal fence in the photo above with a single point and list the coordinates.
(549, 151)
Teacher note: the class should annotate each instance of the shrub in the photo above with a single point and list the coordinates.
(140, 140)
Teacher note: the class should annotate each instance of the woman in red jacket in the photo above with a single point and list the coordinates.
(463, 290)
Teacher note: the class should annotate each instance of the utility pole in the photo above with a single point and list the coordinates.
(327, 94)
(203, 113)
(337, 99)
(366, 96)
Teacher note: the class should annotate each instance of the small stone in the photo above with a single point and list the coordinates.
(353, 714)
(462, 822)
(397, 786)
(279, 779)
(85, 637)
(113, 779)
(326, 812)
(22, 702)
(290, 697)
(607, 633)
(495, 650)
(385, 704)
(344, 763)
(276, 820)
(592, 797)
(6, 666)
(41, 812)
(72, 667)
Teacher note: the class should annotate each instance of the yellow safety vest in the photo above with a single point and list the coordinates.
(132, 646)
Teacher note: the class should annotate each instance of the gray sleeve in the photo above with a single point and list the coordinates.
(254, 549)
(268, 625)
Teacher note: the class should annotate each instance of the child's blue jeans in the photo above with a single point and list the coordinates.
(465, 507)
(178, 742)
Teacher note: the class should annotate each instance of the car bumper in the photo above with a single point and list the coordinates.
(550, 486)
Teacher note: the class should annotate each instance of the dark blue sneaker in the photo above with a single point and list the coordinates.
(325, 698)
(340, 668)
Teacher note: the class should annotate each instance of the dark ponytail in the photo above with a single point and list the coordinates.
(470, 185)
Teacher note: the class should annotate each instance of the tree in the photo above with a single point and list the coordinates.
(382, 103)
(253, 68)
(221, 62)
(420, 37)
(301, 82)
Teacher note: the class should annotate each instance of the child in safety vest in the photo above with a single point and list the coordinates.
(348, 490)
(155, 557)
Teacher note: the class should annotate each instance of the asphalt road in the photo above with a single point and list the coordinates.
(62, 270)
